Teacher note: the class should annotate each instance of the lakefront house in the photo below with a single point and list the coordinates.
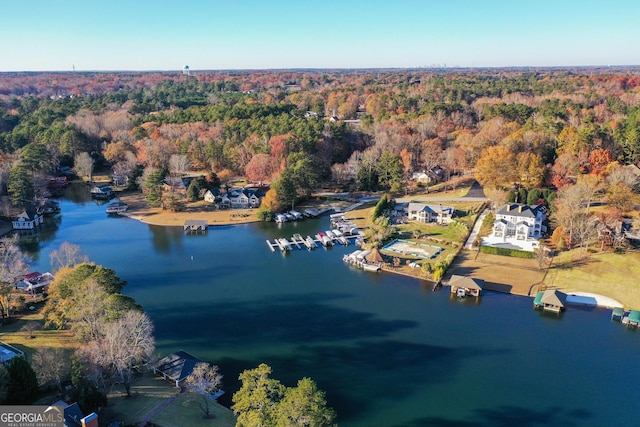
(422, 212)
(517, 226)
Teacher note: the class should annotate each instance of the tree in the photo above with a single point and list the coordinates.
(530, 170)
(260, 168)
(285, 188)
(23, 384)
(13, 268)
(151, 182)
(621, 196)
(67, 255)
(20, 185)
(206, 381)
(128, 342)
(51, 366)
(305, 173)
(4, 384)
(83, 165)
(389, 169)
(495, 167)
(564, 170)
(599, 160)
(304, 405)
(255, 402)
(178, 164)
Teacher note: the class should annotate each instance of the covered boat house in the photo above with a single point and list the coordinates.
(177, 366)
(196, 225)
(466, 286)
(550, 300)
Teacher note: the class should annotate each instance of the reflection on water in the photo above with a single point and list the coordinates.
(386, 349)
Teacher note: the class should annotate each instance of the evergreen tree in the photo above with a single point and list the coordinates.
(23, 383)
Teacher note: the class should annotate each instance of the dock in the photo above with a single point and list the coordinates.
(310, 243)
(196, 226)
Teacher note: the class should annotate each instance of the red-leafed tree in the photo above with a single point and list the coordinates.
(564, 171)
(599, 160)
(279, 145)
(260, 168)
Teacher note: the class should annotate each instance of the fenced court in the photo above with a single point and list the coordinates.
(418, 250)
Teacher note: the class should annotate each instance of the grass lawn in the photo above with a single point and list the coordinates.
(610, 274)
(185, 412)
(149, 392)
(11, 334)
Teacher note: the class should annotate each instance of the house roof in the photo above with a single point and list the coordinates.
(466, 282)
(518, 210)
(28, 213)
(178, 365)
(73, 415)
(554, 297)
(374, 256)
(429, 208)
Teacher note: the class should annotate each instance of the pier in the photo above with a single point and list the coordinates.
(309, 243)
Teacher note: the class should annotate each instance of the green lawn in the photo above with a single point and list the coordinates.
(12, 334)
(610, 274)
(150, 391)
(185, 412)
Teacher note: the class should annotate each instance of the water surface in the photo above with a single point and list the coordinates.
(387, 350)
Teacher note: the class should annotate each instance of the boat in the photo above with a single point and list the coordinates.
(343, 240)
(330, 234)
(280, 218)
(117, 207)
(461, 293)
(288, 216)
(283, 244)
(337, 233)
(296, 215)
(102, 192)
(310, 243)
(297, 237)
(371, 267)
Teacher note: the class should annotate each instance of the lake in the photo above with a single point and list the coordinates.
(386, 349)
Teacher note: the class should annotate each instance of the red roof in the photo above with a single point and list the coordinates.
(33, 275)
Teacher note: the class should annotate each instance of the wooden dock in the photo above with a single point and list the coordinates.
(310, 243)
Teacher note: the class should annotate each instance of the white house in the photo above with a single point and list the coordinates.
(517, 226)
(429, 213)
(242, 198)
(27, 220)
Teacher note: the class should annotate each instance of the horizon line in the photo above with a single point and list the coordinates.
(298, 69)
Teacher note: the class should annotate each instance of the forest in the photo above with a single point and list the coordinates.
(537, 129)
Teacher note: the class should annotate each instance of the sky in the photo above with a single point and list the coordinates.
(58, 35)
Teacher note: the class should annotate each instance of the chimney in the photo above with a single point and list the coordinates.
(520, 208)
(90, 420)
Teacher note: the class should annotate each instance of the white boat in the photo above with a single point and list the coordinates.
(337, 233)
(330, 234)
(280, 218)
(117, 207)
(311, 244)
(461, 293)
(343, 240)
(283, 244)
(296, 215)
(371, 267)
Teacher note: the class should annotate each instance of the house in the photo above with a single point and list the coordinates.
(465, 286)
(120, 180)
(28, 219)
(517, 226)
(242, 198)
(550, 300)
(177, 184)
(72, 415)
(8, 352)
(429, 176)
(429, 213)
(177, 366)
(212, 195)
(36, 282)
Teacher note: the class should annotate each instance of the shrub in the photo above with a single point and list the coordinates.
(492, 250)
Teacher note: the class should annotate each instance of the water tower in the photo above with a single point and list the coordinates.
(185, 71)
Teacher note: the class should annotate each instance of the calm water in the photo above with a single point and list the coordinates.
(387, 350)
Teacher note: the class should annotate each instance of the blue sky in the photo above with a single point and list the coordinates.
(56, 35)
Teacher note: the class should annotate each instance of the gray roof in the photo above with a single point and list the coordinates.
(429, 208)
(518, 210)
(466, 282)
(178, 365)
(554, 297)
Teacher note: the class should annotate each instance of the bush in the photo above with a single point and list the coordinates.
(492, 250)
